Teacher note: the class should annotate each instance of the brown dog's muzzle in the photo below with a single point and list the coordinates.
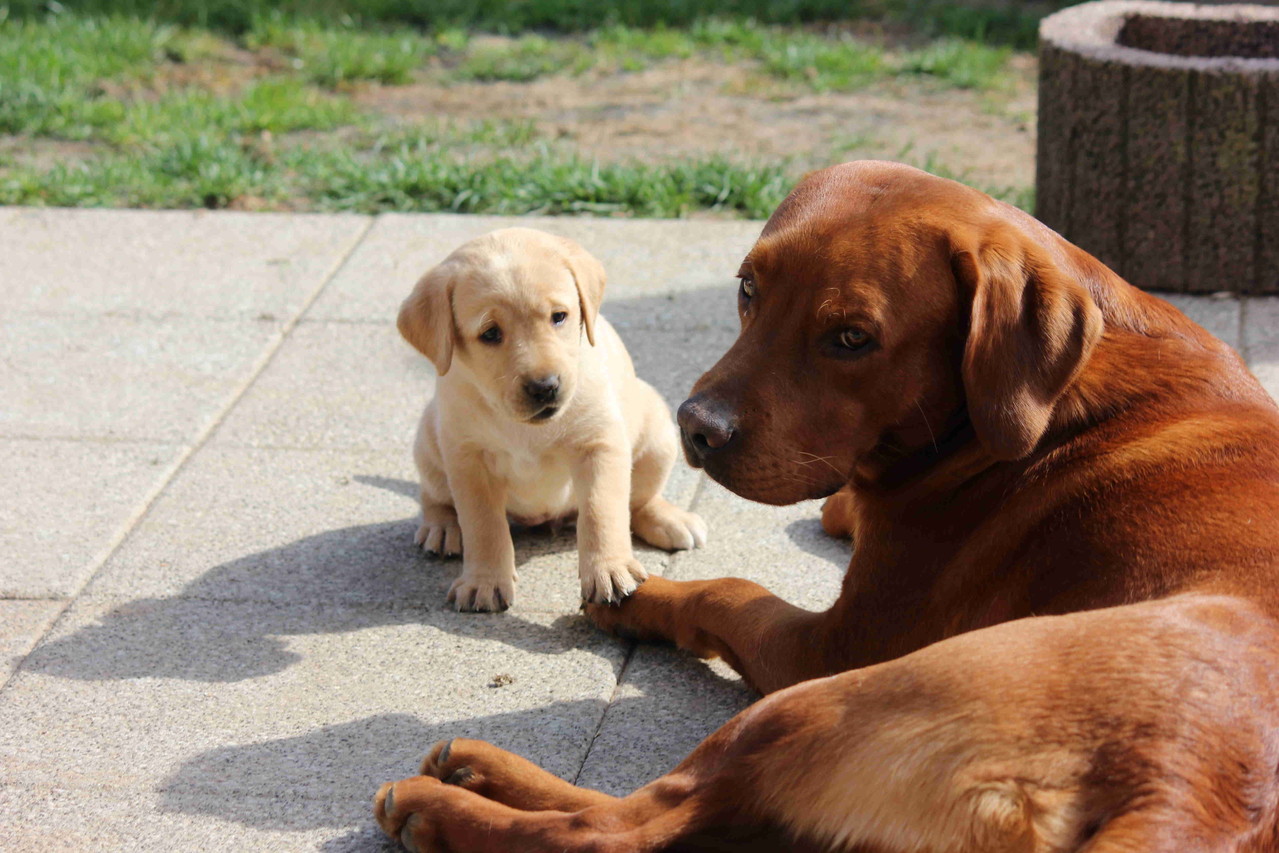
(706, 427)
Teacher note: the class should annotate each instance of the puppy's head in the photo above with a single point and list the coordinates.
(509, 310)
(883, 311)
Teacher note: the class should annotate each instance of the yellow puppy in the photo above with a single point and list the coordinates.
(538, 416)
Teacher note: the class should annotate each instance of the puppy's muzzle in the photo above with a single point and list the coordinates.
(706, 428)
(544, 391)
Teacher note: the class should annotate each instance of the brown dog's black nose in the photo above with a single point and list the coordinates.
(543, 390)
(704, 428)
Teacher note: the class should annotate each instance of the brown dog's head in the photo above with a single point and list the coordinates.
(884, 309)
(508, 311)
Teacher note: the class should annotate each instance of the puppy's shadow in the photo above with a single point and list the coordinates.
(307, 587)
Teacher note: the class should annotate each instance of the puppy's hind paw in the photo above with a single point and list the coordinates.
(439, 540)
(609, 583)
(666, 526)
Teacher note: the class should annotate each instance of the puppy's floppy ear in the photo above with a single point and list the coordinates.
(1032, 329)
(588, 273)
(426, 317)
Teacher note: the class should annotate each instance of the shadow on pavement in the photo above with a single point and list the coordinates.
(808, 535)
(327, 777)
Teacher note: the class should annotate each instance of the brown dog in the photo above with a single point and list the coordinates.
(1022, 434)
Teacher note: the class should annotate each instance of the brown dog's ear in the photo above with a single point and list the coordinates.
(588, 273)
(426, 317)
(1032, 329)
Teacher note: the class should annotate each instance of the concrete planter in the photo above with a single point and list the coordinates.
(1159, 141)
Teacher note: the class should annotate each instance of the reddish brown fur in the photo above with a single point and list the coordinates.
(1032, 438)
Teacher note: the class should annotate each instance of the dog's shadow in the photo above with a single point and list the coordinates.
(283, 591)
(325, 778)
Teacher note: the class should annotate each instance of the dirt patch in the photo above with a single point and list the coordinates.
(693, 107)
(42, 154)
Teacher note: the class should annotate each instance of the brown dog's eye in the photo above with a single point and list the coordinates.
(491, 335)
(848, 344)
(747, 291)
(853, 339)
(558, 318)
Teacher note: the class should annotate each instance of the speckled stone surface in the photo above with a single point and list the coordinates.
(1157, 148)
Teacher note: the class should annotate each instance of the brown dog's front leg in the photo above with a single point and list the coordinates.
(771, 643)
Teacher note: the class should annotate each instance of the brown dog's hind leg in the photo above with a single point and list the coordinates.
(505, 777)
(428, 816)
(839, 515)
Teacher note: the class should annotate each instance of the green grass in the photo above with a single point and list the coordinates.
(1010, 22)
(335, 54)
(411, 176)
(526, 58)
(820, 61)
(179, 116)
(276, 105)
(49, 71)
(415, 170)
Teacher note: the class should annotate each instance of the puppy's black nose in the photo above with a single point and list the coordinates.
(705, 428)
(543, 390)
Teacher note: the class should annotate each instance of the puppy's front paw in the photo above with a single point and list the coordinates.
(664, 525)
(606, 582)
(478, 593)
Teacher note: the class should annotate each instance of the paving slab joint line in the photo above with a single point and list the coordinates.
(202, 437)
(631, 648)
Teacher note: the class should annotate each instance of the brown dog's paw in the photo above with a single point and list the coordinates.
(404, 811)
(610, 582)
(457, 762)
(645, 616)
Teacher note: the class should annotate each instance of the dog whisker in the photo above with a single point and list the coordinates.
(816, 458)
(931, 436)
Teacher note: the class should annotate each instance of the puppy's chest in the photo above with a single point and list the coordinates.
(539, 486)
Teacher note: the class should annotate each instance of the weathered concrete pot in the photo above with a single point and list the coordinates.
(1159, 141)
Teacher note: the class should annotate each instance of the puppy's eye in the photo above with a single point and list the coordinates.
(558, 318)
(853, 339)
(747, 291)
(491, 335)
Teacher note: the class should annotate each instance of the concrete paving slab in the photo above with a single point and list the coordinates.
(335, 385)
(121, 377)
(642, 257)
(47, 819)
(307, 526)
(62, 504)
(783, 548)
(319, 701)
(667, 703)
(21, 624)
(164, 263)
(1261, 335)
